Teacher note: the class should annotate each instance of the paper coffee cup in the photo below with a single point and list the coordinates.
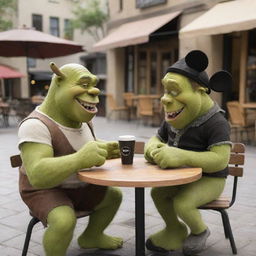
(126, 145)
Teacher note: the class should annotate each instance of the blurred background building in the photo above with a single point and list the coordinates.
(54, 17)
(146, 36)
(137, 40)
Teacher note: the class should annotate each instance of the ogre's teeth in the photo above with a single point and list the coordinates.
(173, 114)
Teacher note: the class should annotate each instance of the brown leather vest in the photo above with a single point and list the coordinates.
(60, 143)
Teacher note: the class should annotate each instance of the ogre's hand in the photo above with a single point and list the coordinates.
(168, 157)
(93, 153)
(113, 149)
(149, 148)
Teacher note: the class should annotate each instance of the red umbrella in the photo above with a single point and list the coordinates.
(35, 44)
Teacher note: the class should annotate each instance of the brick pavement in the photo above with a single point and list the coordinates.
(14, 215)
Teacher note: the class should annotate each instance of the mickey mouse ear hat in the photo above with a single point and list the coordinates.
(193, 66)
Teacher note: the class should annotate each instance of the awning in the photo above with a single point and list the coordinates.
(41, 75)
(7, 72)
(132, 33)
(223, 18)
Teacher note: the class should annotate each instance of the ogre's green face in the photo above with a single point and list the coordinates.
(182, 103)
(76, 95)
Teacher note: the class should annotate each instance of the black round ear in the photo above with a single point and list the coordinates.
(197, 60)
(220, 81)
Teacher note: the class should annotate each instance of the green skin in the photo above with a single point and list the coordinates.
(46, 171)
(183, 201)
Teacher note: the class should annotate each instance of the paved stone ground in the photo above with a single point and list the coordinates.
(14, 215)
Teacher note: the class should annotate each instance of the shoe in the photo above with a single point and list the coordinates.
(150, 246)
(195, 244)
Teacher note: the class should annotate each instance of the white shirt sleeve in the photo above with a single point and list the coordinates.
(33, 130)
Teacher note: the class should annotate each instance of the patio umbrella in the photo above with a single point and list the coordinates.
(35, 44)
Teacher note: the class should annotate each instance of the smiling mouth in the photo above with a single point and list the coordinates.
(89, 107)
(173, 115)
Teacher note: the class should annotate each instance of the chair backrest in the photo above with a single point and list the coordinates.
(236, 160)
(111, 101)
(127, 96)
(235, 113)
(145, 104)
(235, 167)
(139, 147)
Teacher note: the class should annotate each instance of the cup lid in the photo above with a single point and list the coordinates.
(126, 137)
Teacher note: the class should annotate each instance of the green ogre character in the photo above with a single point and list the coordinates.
(56, 141)
(195, 133)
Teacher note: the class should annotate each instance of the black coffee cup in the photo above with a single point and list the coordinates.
(126, 145)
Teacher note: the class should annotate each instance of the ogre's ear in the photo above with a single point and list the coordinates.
(221, 81)
(56, 70)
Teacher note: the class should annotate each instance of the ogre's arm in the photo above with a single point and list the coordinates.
(46, 171)
(153, 143)
(210, 161)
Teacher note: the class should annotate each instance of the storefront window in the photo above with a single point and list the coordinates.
(142, 73)
(250, 92)
(129, 85)
(153, 73)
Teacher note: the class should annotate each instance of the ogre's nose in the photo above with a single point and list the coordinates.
(94, 91)
(166, 99)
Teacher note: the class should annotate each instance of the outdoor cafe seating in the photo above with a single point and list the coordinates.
(240, 122)
(4, 113)
(144, 107)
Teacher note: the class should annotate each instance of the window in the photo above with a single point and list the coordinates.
(31, 62)
(250, 92)
(37, 22)
(68, 30)
(148, 3)
(54, 26)
(129, 83)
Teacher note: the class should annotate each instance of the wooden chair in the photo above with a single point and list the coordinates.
(238, 121)
(113, 106)
(17, 162)
(139, 147)
(129, 103)
(221, 204)
(146, 108)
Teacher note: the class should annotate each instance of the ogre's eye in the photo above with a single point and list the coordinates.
(174, 92)
(85, 85)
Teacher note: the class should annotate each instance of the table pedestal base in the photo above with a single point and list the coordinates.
(140, 221)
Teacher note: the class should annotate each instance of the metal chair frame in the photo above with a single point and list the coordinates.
(236, 159)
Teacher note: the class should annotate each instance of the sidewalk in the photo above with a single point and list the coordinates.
(14, 215)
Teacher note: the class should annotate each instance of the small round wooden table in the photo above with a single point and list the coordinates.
(139, 175)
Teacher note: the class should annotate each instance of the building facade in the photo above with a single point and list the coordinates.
(146, 36)
(52, 17)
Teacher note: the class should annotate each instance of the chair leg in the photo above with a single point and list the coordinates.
(224, 225)
(31, 224)
(224, 214)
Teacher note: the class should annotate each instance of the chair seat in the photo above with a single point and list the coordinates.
(146, 113)
(79, 214)
(221, 202)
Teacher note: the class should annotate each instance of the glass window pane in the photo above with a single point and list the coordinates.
(68, 30)
(153, 73)
(54, 26)
(37, 22)
(250, 92)
(142, 72)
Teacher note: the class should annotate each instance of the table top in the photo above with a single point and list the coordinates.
(140, 174)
